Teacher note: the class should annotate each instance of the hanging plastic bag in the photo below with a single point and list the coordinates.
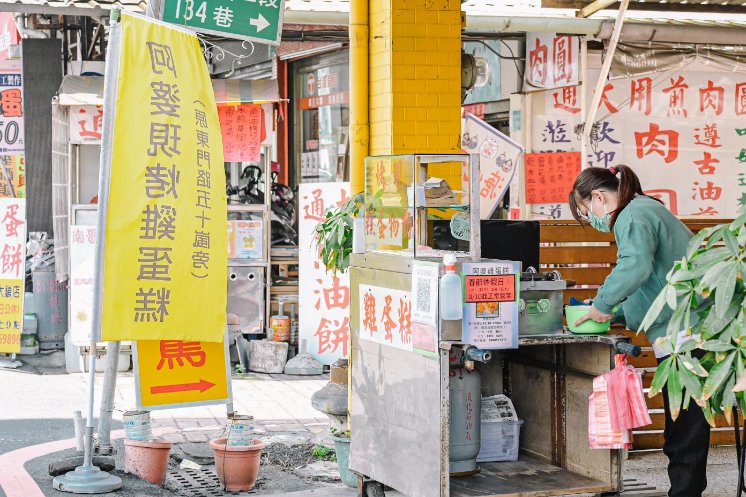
(626, 397)
(601, 434)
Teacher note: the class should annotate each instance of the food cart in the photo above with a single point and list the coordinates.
(406, 409)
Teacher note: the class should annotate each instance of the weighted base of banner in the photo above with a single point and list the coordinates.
(87, 480)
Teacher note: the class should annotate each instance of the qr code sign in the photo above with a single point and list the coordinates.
(424, 297)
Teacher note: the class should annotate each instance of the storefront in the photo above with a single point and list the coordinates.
(320, 118)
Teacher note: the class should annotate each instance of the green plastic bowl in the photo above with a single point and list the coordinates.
(575, 312)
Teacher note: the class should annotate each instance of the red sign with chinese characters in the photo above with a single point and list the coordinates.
(490, 288)
(549, 177)
(12, 272)
(242, 127)
(341, 98)
(553, 61)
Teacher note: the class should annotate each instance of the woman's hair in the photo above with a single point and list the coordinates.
(619, 179)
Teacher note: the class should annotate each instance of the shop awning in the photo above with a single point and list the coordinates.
(81, 90)
(89, 90)
(235, 91)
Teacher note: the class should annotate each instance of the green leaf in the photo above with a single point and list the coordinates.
(687, 346)
(729, 396)
(717, 376)
(717, 324)
(717, 235)
(725, 289)
(674, 325)
(691, 382)
(707, 411)
(715, 254)
(695, 243)
(692, 364)
(661, 377)
(714, 274)
(731, 242)
(654, 311)
(675, 394)
(671, 296)
(717, 346)
(738, 222)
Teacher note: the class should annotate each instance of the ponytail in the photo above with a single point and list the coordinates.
(620, 179)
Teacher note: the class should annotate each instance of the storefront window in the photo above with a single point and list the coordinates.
(322, 118)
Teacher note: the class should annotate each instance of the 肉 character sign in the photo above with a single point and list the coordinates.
(553, 60)
(12, 272)
(324, 322)
(682, 132)
(164, 205)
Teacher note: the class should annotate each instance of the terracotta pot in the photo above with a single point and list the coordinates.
(237, 466)
(147, 460)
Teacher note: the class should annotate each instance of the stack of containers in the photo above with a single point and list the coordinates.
(501, 430)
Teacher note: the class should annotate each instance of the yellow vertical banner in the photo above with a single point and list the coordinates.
(12, 272)
(164, 249)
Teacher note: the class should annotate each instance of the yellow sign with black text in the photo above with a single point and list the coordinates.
(164, 250)
(178, 373)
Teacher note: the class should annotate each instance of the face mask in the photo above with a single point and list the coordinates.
(602, 224)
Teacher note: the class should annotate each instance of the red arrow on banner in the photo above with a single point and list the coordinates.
(183, 387)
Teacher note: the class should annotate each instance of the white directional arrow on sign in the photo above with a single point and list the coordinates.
(260, 23)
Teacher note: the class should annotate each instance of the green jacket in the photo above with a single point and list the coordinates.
(649, 240)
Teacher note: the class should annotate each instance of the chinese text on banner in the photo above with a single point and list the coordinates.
(166, 209)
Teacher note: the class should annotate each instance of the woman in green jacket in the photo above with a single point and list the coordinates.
(649, 240)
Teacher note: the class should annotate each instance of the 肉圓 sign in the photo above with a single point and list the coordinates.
(163, 251)
(253, 20)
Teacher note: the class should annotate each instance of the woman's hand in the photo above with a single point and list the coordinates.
(595, 315)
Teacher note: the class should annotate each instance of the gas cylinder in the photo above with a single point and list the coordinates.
(466, 408)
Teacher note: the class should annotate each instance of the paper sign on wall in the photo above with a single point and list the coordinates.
(12, 272)
(245, 239)
(243, 131)
(324, 322)
(386, 316)
(498, 161)
(85, 123)
(11, 108)
(550, 177)
(15, 167)
(491, 306)
(425, 295)
(553, 60)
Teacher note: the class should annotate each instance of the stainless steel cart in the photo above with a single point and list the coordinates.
(400, 407)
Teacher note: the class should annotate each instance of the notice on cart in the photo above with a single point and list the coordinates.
(491, 294)
(425, 307)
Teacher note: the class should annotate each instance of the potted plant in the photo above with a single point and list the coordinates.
(237, 466)
(333, 235)
(705, 291)
(342, 449)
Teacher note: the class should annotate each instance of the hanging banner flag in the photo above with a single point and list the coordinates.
(12, 272)
(11, 108)
(553, 61)
(163, 203)
(243, 132)
(498, 161)
(324, 321)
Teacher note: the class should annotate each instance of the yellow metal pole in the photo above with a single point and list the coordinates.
(359, 124)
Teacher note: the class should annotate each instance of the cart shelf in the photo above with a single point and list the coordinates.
(526, 477)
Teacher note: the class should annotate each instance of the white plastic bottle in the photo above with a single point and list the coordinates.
(451, 306)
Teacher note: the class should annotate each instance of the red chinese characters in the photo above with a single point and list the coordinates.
(315, 209)
(89, 122)
(606, 101)
(641, 95)
(333, 335)
(562, 63)
(675, 94)
(10, 103)
(175, 352)
(741, 99)
(706, 166)
(567, 99)
(657, 141)
(712, 97)
(708, 136)
(538, 61)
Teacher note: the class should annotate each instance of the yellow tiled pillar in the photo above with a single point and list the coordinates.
(415, 77)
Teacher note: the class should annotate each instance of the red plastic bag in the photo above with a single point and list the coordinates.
(616, 407)
(626, 398)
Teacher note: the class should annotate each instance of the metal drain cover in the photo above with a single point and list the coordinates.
(197, 483)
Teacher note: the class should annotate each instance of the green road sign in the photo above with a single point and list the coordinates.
(253, 20)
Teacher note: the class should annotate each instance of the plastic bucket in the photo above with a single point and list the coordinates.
(241, 431)
(137, 426)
